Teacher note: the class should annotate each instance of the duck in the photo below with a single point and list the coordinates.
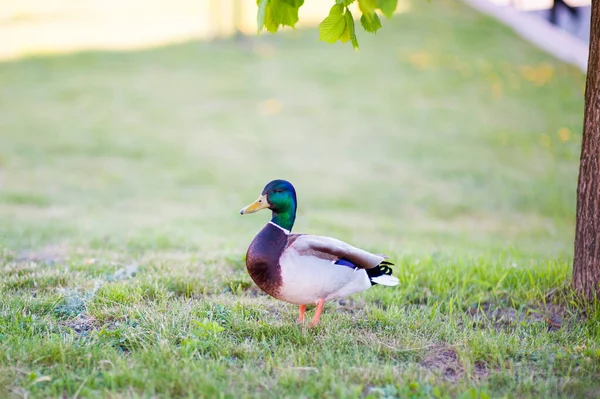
(306, 269)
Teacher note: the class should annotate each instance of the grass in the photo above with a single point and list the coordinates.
(447, 143)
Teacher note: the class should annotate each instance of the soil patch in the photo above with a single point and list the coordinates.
(443, 360)
(82, 325)
(49, 254)
(505, 316)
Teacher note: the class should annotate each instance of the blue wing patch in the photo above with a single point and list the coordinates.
(346, 262)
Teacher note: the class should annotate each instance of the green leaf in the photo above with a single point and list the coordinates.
(339, 25)
(279, 12)
(372, 24)
(367, 6)
(333, 27)
(345, 36)
(369, 19)
(260, 17)
(350, 28)
(387, 7)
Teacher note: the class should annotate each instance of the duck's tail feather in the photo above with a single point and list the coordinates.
(382, 274)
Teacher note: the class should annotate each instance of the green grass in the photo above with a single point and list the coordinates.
(447, 143)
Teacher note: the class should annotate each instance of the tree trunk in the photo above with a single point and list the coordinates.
(586, 264)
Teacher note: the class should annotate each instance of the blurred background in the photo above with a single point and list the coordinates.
(136, 125)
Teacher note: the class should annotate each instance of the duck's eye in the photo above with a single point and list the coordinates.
(279, 190)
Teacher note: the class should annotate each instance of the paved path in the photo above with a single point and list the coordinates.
(539, 32)
(578, 27)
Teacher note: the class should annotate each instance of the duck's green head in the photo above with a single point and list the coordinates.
(280, 197)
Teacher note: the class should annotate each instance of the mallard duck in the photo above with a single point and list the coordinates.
(304, 269)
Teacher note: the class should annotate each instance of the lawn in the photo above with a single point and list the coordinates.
(447, 142)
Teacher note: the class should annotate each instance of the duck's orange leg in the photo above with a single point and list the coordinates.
(320, 304)
(302, 312)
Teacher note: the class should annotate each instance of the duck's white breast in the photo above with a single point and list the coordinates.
(307, 278)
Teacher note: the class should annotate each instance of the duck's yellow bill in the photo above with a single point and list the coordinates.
(260, 203)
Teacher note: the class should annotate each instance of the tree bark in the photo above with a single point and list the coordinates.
(586, 263)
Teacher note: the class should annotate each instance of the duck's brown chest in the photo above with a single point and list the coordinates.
(262, 259)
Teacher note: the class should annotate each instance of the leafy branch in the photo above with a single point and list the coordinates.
(338, 25)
